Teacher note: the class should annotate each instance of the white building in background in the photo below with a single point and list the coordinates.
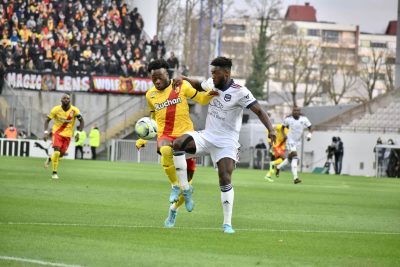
(338, 44)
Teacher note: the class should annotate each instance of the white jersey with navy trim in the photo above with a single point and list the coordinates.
(225, 112)
(296, 127)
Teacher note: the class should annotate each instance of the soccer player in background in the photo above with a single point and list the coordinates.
(169, 107)
(296, 123)
(221, 134)
(64, 116)
(277, 150)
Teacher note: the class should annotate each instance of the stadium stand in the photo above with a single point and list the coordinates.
(381, 114)
(79, 37)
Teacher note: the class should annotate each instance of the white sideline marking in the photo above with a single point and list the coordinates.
(202, 228)
(37, 261)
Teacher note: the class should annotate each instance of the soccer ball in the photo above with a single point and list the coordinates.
(146, 128)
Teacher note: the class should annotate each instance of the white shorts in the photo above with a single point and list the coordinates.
(204, 147)
(291, 146)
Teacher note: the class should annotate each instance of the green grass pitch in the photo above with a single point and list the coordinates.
(111, 214)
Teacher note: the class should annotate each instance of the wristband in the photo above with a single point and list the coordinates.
(309, 135)
(46, 132)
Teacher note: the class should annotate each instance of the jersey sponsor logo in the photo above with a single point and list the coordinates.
(65, 120)
(227, 97)
(216, 103)
(167, 103)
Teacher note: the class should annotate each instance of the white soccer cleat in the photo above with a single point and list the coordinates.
(54, 176)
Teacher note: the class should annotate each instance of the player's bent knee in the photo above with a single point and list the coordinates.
(166, 156)
(166, 151)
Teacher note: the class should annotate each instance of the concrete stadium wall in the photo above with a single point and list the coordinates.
(92, 106)
(358, 151)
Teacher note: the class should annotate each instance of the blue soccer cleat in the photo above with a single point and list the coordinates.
(228, 229)
(175, 191)
(187, 194)
(170, 221)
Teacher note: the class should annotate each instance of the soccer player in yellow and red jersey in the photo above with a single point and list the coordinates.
(169, 108)
(277, 150)
(64, 116)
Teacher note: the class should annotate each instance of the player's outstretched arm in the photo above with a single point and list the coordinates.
(203, 98)
(264, 118)
(46, 131)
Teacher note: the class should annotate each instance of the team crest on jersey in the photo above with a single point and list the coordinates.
(153, 94)
(227, 97)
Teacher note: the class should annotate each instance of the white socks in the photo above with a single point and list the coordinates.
(227, 196)
(283, 163)
(181, 169)
(294, 167)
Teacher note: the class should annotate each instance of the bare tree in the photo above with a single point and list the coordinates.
(162, 12)
(297, 65)
(389, 75)
(370, 71)
(338, 77)
(189, 7)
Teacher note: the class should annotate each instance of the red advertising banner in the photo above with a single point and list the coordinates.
(47, 81)
(125, 85)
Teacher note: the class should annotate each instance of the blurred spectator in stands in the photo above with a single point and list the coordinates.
(22, 135)
(14, 38)
(11, 132)
(136, 69)
(30, 65)
(154, 45)
(48, 25)
(330, 152)
(2, 73)
(339, 151)
(173, 64)
(31, 23)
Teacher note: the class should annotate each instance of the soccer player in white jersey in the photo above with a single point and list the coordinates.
(221, 134)
(296, 123)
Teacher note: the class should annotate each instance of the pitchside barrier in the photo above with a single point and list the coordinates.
(387, 160)
(31, 148)
(125, 150)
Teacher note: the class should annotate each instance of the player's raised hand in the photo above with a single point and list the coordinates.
(45, 135)
(177, 81)
(272, 136)
(140, 143)
(213, 93)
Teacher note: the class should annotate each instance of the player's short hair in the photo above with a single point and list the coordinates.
(157, 64)
(222, 62)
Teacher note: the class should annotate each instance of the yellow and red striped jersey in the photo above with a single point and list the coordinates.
(171, 109)
(280, 141)
(64, 121)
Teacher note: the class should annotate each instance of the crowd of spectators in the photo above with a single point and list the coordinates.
(79, 37)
